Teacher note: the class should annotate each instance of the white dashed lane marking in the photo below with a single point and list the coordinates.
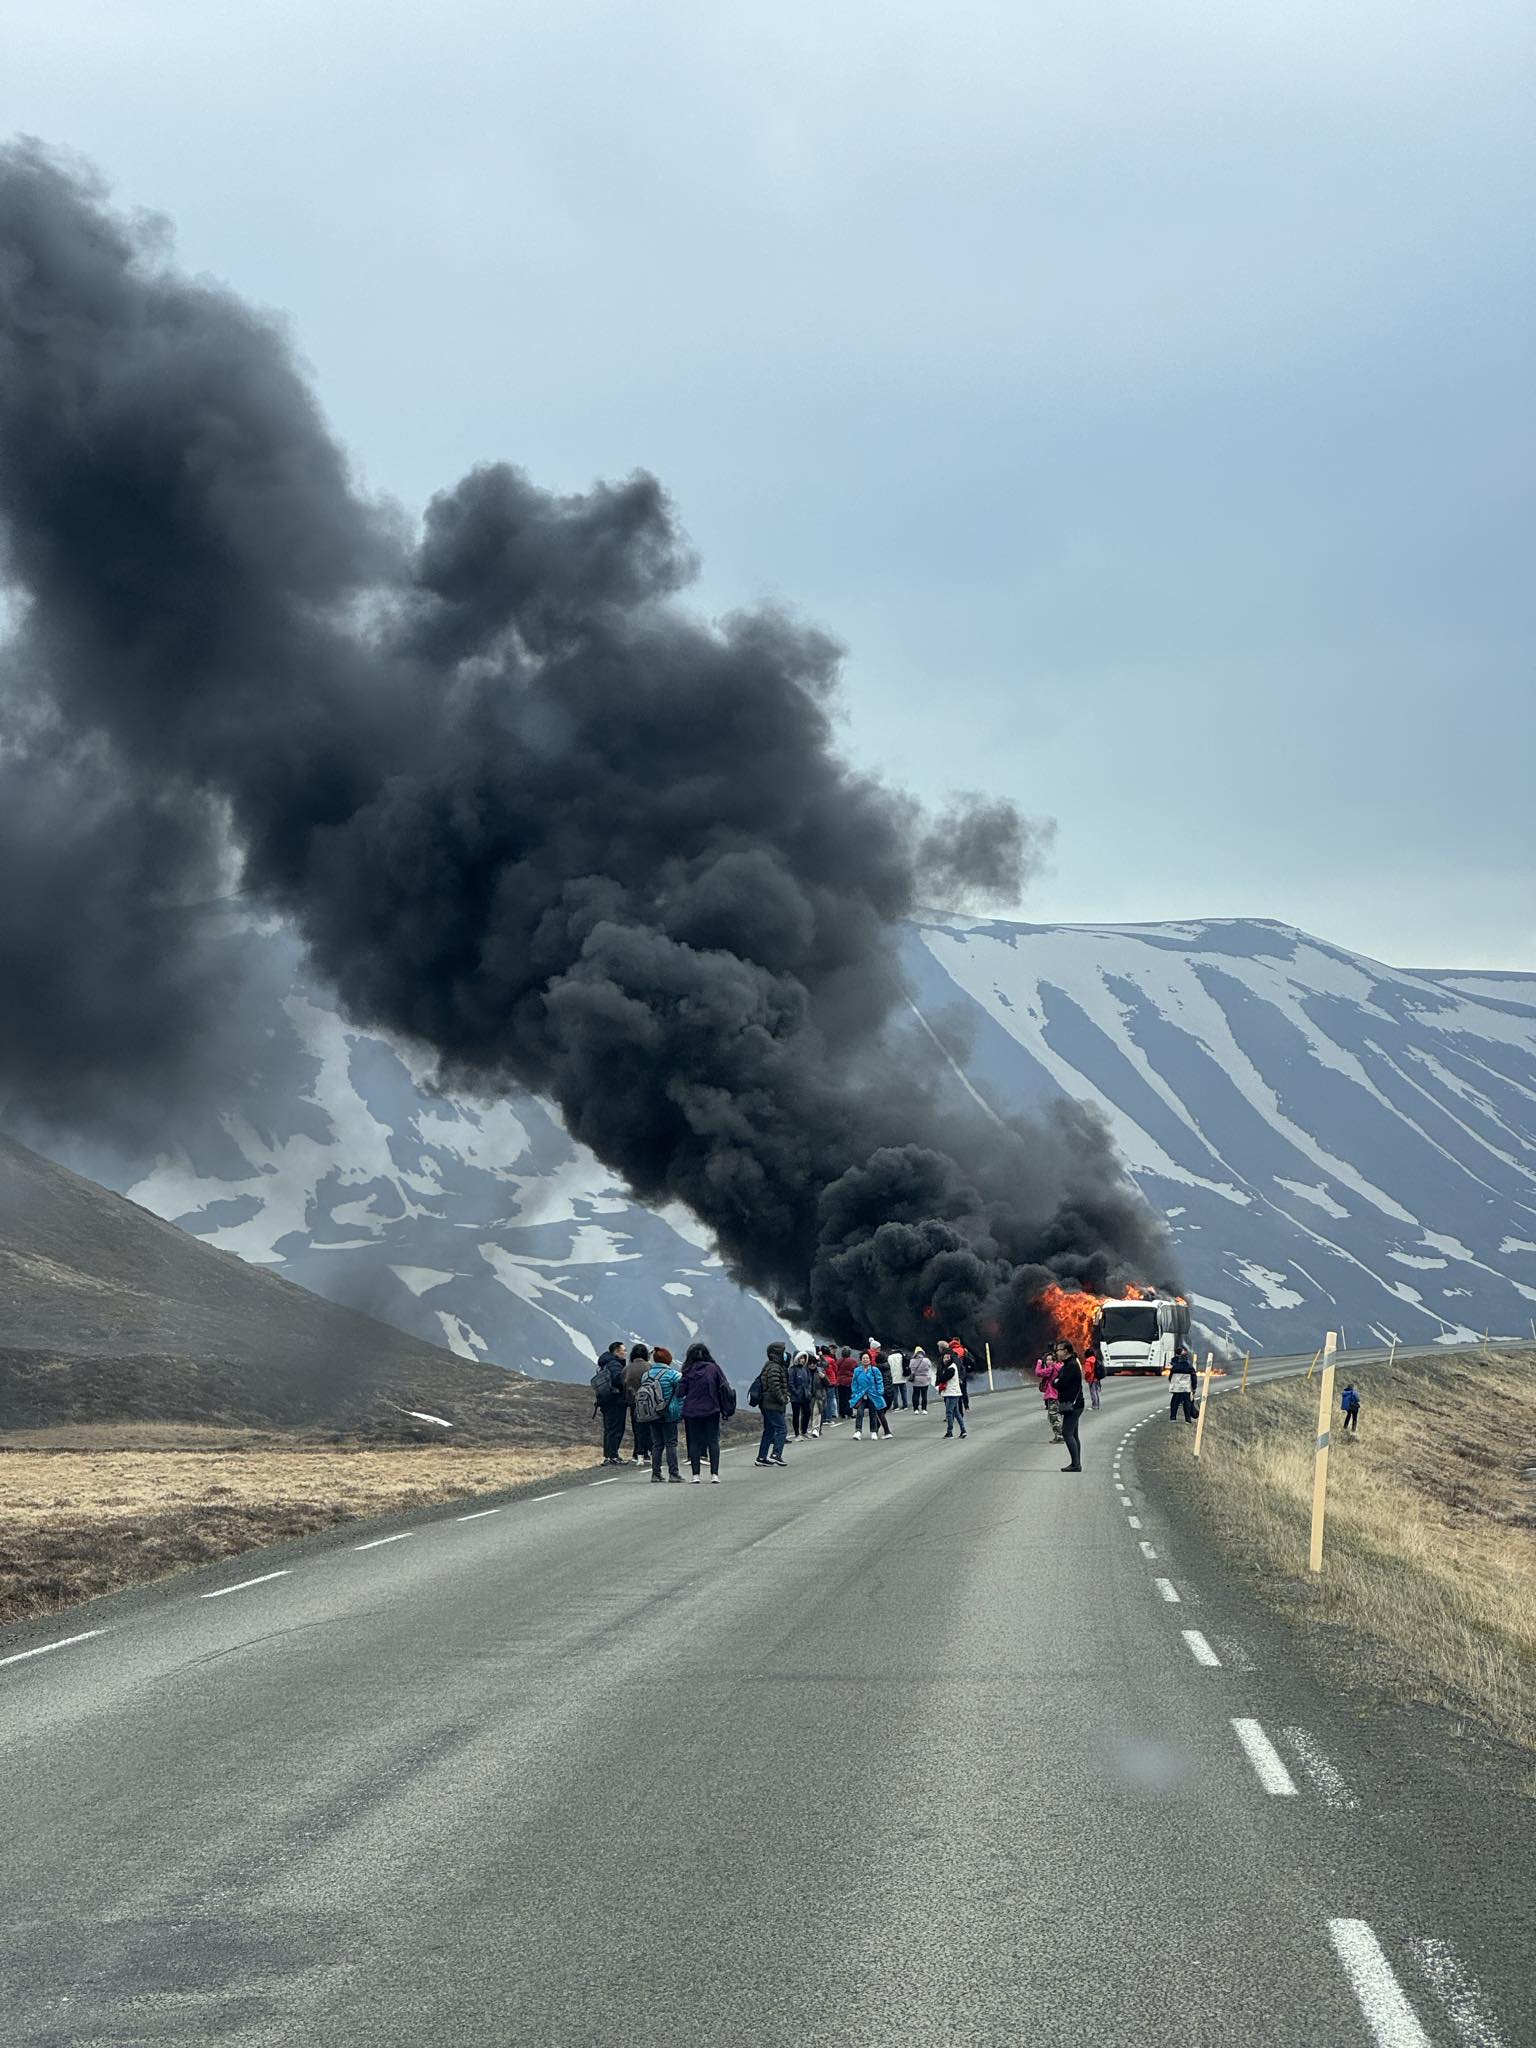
(546, 1496)
(606, 1482)
(377, 1540)
(1200, 1649)
(1459, 1996)
(1146, 1550)
(1382, 2001)
(244, 1584)
(1167, 1588)
(64, 1642)
(1268, 1766)
(478, 1516)
(1134, 1521)
(1322, 1774)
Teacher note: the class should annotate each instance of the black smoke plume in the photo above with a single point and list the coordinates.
(525, 808)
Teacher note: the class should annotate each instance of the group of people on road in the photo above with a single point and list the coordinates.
(637, 1389)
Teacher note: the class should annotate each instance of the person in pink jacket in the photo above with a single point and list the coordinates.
(1046, 1370)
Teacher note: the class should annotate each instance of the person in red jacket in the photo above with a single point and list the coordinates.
(847, 1364)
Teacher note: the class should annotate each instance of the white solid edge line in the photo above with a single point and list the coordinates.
(1200, 1649)
(1167, 1588)
(1268, 1766)
(478, 1516)
(1382, 2000)
(377, 1540)
(1146, 1550)
(42, 1649)
(219, 1595)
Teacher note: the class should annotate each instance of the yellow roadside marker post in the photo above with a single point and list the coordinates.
(1247, 1361)
(1312, 1368)
(991, 1384)
(1205, 1400)
(1320, 1468)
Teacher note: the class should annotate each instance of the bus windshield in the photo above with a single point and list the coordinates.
(1136, 1324)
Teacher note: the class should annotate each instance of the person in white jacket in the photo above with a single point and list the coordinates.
(921, 1372)
(898, 1367)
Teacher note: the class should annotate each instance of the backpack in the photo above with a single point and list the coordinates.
(755, 1393)
(650, 1401)
(727, 1399)
(602, 1385)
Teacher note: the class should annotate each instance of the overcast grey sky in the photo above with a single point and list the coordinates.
(1141, 389)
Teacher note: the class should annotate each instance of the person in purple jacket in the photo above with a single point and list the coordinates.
(706, 1394)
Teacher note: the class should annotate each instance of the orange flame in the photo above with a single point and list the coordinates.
(1070, 1311)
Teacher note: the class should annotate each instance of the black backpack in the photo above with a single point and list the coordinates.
(605, 1387)
(755, 1393)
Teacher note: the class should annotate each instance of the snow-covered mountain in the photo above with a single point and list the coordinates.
(1332, 1142)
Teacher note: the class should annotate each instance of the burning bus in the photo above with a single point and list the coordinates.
(1141, 1332)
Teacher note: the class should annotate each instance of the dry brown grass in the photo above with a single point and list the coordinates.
(78, 1520)
(1430, 1558)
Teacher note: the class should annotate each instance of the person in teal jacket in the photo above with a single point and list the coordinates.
(868, 1391)
(664, 1427)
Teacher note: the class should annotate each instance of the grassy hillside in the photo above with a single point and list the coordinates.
(109, 1314)
(1429, 1582)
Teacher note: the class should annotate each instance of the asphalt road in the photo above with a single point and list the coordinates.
(910, 1743)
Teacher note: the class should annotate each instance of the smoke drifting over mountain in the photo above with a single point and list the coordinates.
(526, 809)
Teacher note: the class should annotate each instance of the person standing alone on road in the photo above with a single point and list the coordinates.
(1181, 1386)
(1069, 1393)
(1092, 1372)
(1349, 1401)
(706, 1397)
(774, 1402)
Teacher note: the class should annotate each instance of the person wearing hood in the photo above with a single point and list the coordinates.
(802, 1394)
(868, 1392)
(773, 1401)
(920, 1367)
(707, 1396)
(664, 1376)
(949, 1383)
(639, 1365)
(846, 1366)
(899, 1376)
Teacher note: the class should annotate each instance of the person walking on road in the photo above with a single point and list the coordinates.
(1069, 1395)
(640, 1431)
(659, 1401)
(773, 1400)
(1181, 1386)
(1046, 1370)
(707, 1396)
(921, 1369)
(609, 1398)
(868, 1392)
(1349, 1401)
(802, 1394)
(948, 1384)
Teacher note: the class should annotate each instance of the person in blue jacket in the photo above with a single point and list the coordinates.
(664, 1426)
(868, 1392)
(1349, 1401)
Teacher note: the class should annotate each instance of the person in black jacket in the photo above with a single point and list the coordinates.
(1069, 1392)
(615, 1408)
(774, 1402)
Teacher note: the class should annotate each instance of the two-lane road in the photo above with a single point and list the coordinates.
(917, 1741)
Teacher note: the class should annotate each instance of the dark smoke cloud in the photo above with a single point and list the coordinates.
(525, 808)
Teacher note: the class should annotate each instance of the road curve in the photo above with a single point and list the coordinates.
(917, 1741)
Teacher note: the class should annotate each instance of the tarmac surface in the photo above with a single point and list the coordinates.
(916, 1741)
